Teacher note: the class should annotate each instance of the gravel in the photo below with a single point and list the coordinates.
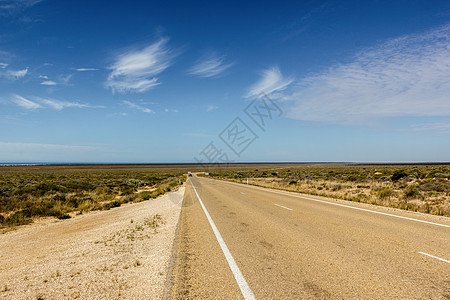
(122, 253)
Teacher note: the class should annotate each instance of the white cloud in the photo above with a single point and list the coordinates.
(3, 65)
(138, 107)
(211, 108)
(86, 69)
(406, 76)
(59, 105)
(272, 81)
(14, 75)
(62, 80)
(48, 82)
(135, 71)
(14, 6)
(25, 103)
(210, 66)
(38, 102)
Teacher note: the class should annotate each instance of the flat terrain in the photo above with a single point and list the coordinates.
(294, 247)
(115, 254)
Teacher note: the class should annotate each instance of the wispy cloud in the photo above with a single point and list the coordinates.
(271, 81)
(86, 69)
(3, 65)
(25, 103)
(48, 82)
(59, 105)
(210, 66)
(406, 76)
(136, 70)
(38, 102)
(138, 107)
(15, 6)
(12, 74)
(62, 80)
(437, 128)
(211, 108)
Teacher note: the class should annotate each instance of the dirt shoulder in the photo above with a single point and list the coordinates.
(119, 253)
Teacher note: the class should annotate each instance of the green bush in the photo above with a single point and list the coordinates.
(20, 217)
(412, 191)
(112, 204)
(398, 174)
(145, 195)
(293, 182)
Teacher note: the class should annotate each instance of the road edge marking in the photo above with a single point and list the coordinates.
(337, 204)
(435, 257)
(283, 206)
(242, 283)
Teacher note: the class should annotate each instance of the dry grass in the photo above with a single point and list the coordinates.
(423, 188)
(30, 192)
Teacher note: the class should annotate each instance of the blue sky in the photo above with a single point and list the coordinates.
(159, 81)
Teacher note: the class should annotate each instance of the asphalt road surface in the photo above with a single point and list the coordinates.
(238, 241)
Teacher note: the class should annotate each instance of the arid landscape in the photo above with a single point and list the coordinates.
(29, 192)
(127, 231)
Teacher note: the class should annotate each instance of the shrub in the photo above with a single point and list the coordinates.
(337, 187)
(292, 182)
(360, 197)
(385, 193)
(127, 190)
(411, 191)
(398, 174)
(61, 216)
(20, 217)
(135, 182)
(145, 195)
(112, 204)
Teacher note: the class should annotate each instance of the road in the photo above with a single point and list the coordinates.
(294, 247)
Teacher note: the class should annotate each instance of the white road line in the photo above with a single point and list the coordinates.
(243, 286)
(447, 261)
(282, 206)
(338, 204)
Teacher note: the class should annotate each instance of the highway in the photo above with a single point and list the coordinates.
(244, 242)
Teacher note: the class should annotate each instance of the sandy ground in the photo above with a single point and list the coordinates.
(101, 255)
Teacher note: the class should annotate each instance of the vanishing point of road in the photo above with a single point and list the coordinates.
(243, 242)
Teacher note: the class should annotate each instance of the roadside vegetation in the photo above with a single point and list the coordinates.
(419, 187)
(43, 191)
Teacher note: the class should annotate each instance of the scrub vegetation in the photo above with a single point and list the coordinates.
(27, 192)
(419, 187)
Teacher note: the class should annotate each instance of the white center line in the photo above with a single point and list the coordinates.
(243, 286)
(282, 206)
(447, 261)
(338, 204)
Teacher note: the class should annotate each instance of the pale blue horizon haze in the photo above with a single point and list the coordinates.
(157, 82)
